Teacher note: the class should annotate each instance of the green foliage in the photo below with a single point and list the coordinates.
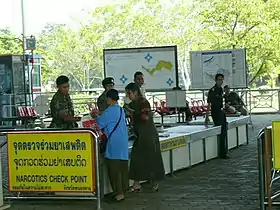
(9, 43)
(191, 25)
(243, 24)
(65, 52)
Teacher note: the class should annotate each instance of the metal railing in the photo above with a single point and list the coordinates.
(258, 101)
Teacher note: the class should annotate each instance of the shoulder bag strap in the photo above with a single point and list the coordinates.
(116, 124)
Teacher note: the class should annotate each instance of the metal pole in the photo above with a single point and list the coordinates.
(23, 48)
(23, 25)
(261, 170)
(268, 166)
(98, 179)
(31, 77)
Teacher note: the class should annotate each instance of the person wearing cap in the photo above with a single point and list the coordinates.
(108, 84)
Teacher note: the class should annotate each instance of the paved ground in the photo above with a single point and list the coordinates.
(219, 185)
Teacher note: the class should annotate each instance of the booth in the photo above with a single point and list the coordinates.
(189, 145)
(182, 147)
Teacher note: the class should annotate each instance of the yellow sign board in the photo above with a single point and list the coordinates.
(51, 162)
(276, 144)
(173, 143)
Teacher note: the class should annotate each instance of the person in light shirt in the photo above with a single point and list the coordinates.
(139, 80)
(113, 122)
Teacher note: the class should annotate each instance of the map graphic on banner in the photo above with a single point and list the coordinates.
(158, 64)
(206, 64)
(161, 65)
(214, 63)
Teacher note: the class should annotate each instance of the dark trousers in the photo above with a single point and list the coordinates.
(219, 119)
(118, 175)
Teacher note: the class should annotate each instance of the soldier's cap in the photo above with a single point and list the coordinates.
(108, 81)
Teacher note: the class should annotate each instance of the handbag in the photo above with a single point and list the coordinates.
(104, 139)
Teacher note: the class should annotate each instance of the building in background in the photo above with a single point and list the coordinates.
(18, 83)
(33, 73)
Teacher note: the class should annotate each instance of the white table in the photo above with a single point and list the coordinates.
(188, 145)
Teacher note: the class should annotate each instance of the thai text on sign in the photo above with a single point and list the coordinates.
(51, 162)
(173, 143)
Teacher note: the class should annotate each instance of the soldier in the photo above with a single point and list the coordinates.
(107, 83)
(139, 80)
(61, 106)
(215, 101)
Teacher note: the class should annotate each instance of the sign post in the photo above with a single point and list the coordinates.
(2, 205)
(54, 161)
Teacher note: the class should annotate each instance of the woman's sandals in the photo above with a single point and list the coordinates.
(155, 188)
(135, 188)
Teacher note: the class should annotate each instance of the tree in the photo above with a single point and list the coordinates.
(138, 24)
(134, 24)
(241, 24)
(196, 25)
(65, 52)
(9, 43)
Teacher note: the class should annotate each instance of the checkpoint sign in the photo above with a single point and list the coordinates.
(51, 162)
(173, 143)
(276, 144)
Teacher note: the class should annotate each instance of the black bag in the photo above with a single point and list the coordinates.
(104, 140)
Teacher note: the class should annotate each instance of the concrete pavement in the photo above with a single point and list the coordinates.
(218, 184)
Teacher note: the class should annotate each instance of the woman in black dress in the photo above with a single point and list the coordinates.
(146, 160)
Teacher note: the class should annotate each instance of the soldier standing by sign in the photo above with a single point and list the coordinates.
(139, 80)
(215, 102)
(108, 84)
(61, 106)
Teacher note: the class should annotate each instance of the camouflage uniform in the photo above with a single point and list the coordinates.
(60, 102)
(102, 102)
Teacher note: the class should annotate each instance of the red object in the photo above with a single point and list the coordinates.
(196, 109)
(202, 105)
(92, 124)
(36, 89)
(163, 110)
(21, 111)
(27, 111)
(89, 124)
(26, 114)
(158, 108)
(199, 107)
(34, 113)
(90, 107)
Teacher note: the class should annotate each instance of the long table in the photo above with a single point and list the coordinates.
(188, 145)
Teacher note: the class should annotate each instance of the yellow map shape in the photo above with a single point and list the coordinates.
(159, 67)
